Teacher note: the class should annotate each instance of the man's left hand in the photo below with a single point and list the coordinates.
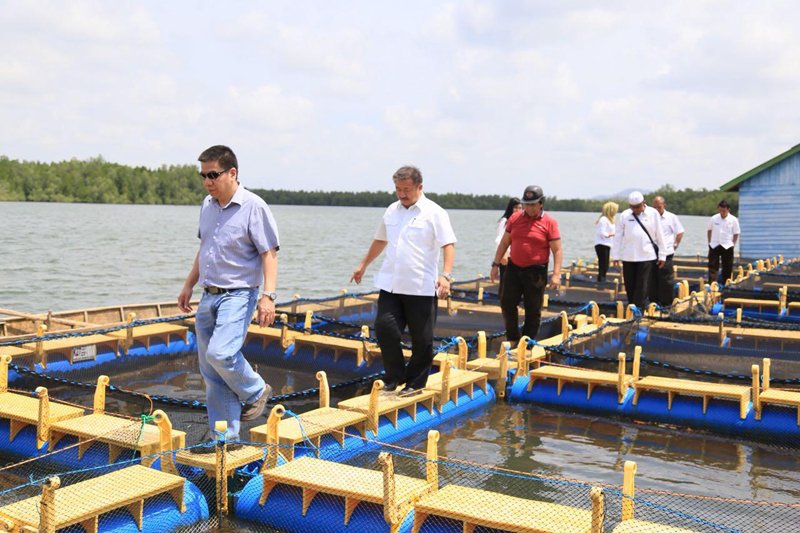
(660, 264)
(442, 288)
(266, 311)
(555, 281)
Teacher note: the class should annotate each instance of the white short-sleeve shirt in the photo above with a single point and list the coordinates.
(414, 239)
(672, 227)
(723, 230)
(604, 232)
(631, 243)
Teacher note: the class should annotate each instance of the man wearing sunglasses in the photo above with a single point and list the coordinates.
(237, 266)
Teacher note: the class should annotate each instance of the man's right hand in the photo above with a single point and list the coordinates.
(494, 274)
(184, 299)
(358, 273)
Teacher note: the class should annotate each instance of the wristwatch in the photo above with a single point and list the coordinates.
(271, 295)
(447, 276)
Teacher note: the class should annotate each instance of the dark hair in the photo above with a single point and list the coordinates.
(222, 155)
(512, 203)
(408, 173)
(724, 203)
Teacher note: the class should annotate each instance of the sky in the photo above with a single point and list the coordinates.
(485, 97)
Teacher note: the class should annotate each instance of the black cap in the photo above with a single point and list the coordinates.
(724, 203)
(533, 194)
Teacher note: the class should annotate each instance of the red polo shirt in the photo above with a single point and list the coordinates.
(530, 238)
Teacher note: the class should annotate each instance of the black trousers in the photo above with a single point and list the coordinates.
(529, 283)
(637, 276)
(662, 289)
(603, 253)
(714, 256)
(395, 312)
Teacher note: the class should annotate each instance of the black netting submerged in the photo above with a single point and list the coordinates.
(694, 512)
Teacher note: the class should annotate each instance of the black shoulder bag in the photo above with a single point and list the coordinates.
(655, 246)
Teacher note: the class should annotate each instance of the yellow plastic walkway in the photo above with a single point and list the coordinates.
(482, 508)
(118, 433)
(65, 345)
(642, 526)
(673, 386)
(458, 380)
(22, 410)
(374, 405)
(162, 330)
(83, 502)
(591, 378)
(354, 484)
(315, 424)
(782, 397)
(233, 459)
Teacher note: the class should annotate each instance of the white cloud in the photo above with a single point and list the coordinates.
(338, 95)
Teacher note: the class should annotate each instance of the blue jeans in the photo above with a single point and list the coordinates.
(221, 326)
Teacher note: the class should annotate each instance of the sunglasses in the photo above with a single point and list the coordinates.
(212, 175)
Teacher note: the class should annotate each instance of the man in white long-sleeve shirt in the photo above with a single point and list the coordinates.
(639, 244)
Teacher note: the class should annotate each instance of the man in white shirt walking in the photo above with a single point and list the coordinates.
(413, 231)
(663, 290)
(723, 232)
(639, 243)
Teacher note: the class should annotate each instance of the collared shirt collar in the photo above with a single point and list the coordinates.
(421, 203)
(235, 199)
(539, 217)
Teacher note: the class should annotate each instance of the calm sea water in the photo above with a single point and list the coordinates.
(68, 256)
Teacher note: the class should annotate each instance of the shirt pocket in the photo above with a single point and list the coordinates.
(419, 232)
(392, 225)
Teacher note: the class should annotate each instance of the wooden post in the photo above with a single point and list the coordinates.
(389, 498)
(41, 329)
(284, 330)
(756, 392)
(595, 311)
(502, 373)
(100, 395)
(480, 296)
(324, 390)
(165, 441)
(273, 421)
(765, 380)
(308, 322)
(221, 426)
(616, 288)
(651, 309)
(566, 280)
(47, 519)
(621, 386)
(295, 298)
(739, 315)
(4, 361)
(432, 460)
(43, 422)
(342, 298)
(782, 292)
(374, 396)
(463, 349)
(628, 490)
(126, 345)
(620, 310)
(545, 300)
(722, 335)
(598, 511)
(629, 312)
(481, 345)
(637, 361)
(444, 391)
(564, 326)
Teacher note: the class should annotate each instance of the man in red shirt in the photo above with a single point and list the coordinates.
(535, 235)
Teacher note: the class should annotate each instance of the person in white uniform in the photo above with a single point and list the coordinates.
(639, 243)
(723, 232)
(413, 231)
(663, 290)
